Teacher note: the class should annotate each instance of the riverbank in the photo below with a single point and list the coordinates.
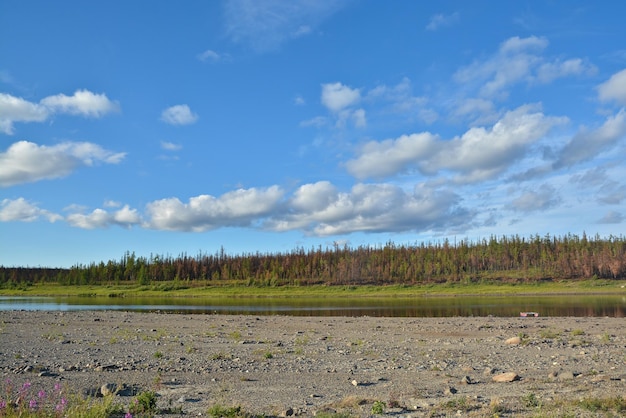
(195, 289)
(278, 365)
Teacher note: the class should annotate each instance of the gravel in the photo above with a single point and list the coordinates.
(303, 366)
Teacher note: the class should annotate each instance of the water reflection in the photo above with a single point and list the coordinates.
(574, 306)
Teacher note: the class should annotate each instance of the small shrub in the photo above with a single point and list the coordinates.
(378, 408)
(531, 401)
(548, 334)
(144, 403)
(617, 404)
(219, 411)
(158, 354)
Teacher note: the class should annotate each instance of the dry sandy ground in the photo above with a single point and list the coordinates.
(324, 366)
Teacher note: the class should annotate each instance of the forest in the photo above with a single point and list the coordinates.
(493, 259)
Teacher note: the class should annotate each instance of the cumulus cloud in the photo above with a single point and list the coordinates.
(22, 210)
(321, 209)
(25, 162)
(264, 25)
(479, 154)
(15, 109)
(587, 144)
(237, 208)
(100, 218)
(339, 99)
(518, 60)
(440, 20)
(614, 89)
(179, 115)
(393, 156)
(336, 96)
(82, 102)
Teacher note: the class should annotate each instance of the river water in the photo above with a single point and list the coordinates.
(420, 306)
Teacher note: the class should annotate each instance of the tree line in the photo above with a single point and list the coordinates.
(505, 258)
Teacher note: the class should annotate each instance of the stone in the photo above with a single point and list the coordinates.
(355, 383)
(505, 377)
(513, 341)
(287, 412)
(466, 380)
(565, 376)
(108, 389)
(450, 391)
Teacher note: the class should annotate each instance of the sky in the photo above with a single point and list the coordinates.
(169, 128)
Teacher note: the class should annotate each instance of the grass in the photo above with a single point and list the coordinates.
(235, 289)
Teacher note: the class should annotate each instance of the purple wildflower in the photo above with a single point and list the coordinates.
(32, 404)
(128, 415)
(61, 405)
(3, 404)
(42, 394)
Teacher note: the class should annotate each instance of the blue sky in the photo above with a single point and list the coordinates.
(264, 125)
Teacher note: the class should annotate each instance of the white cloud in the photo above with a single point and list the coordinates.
(587, 144)
(264, 25)
(322, 210)
(359, 119)
(170, 146)
(22, 210)
(237, 208)
(83, 102)
(15, 109)
(550, 71)
(25, 162)
(614, 89)
(392, 156)
(440, 20)
(179, 115)
(518, 60)
(336, 96)
(209, 55)
(299, 101)
(100, 218)
(317, 122)
(479, 154)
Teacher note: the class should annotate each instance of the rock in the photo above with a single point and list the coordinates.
(287, 412)
(488, 371)
(450, 391)
(46, 373)
(565, 376)
(505, 377)
(355, 383)
(513, 341)
(108, 367)
(108, 389)
(465, 380)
